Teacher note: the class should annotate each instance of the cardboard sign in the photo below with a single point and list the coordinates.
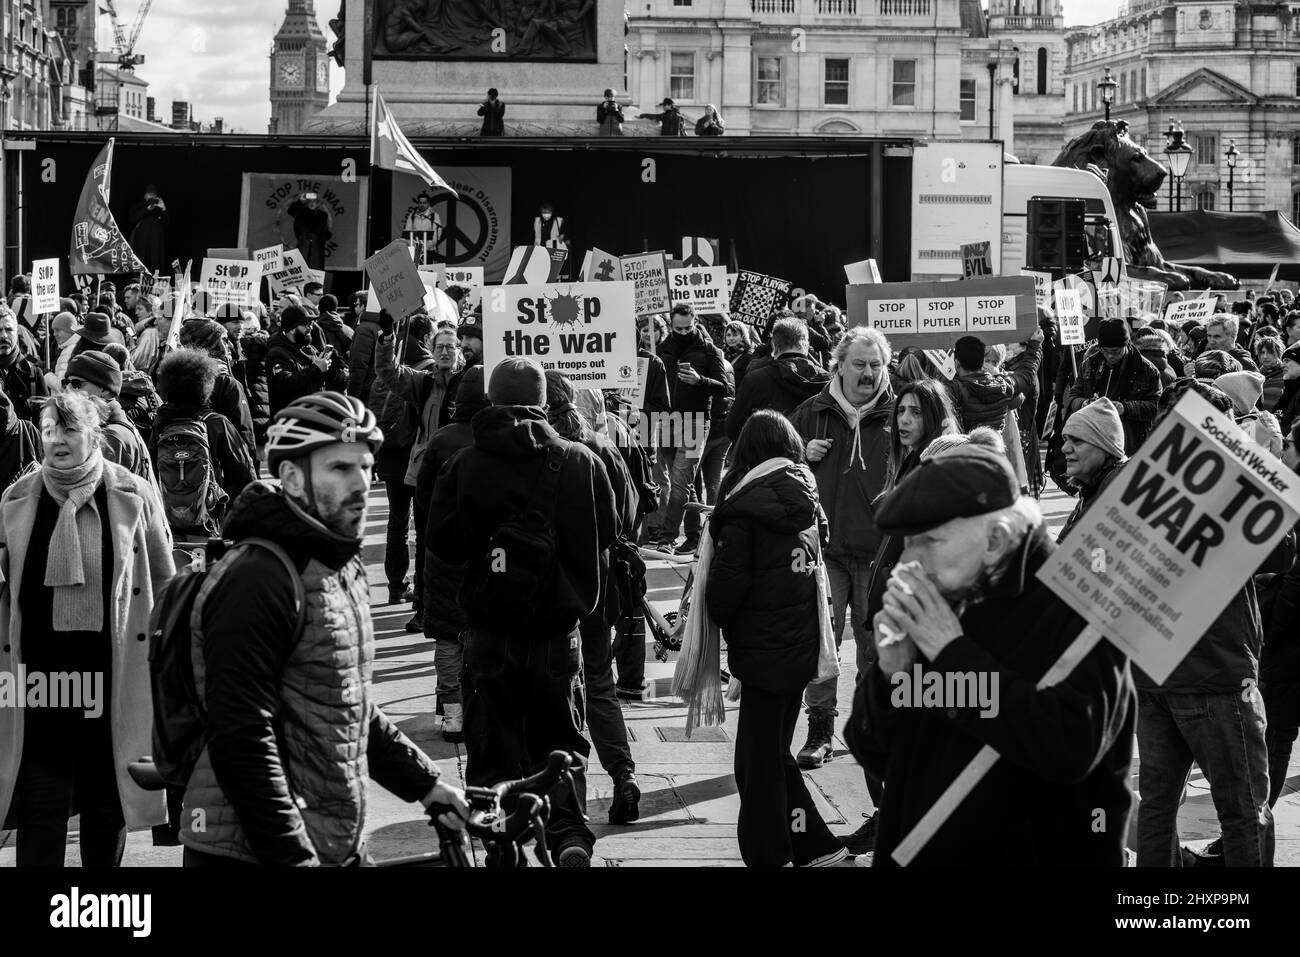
(699, 251)
(756, 296)
(45, 286)
(535, 265)
(585, 330)
(943, 361)
(862, 273)
(1042, 287)
(271, 259)
(956, 197)
(1158, 556)
(230, 281)
(635, 398)
(704, 289)
(648, 273)
(934, 315)
(600, 266)
(430, 273)
(1069, 315)
(976, 260)
(1197, 309)
(397, 283)
(294, 275)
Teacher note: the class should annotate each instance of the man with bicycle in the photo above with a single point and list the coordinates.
(292, 729)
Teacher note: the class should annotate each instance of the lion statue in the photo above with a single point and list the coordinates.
(1134, 179)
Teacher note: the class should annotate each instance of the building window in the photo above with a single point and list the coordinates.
(1205, 199)
(1207, 149)
(1295, 151)
(1123, 87)
(1297, 81)
(1042, 71)
(1144, 82)
(1076, 97)
(1295, 207)
(968, 101)
(770, 90)
(904, 86)
(681, 3)
(836, 90)
(681, 76)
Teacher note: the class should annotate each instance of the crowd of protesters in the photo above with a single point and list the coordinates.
(824, 482)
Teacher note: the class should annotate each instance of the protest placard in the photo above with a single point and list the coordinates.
(1198, 496)
(1197, 309)
(431, 273)
(45, 286)
(702, 288)
(1042, 287)
(1069, 315)
(535, 265)
(976, 260)
(600, 266)
(648, 274)
(467, 276)
(230, 281)
(634, 396)
(863, 272)
(943, 361)
(294, 275)
(755, 297)
(934, 315)
(397, 282)
(585, 330)
(271, 258)
(699, 251)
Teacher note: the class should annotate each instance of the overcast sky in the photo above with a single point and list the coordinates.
(215, 53)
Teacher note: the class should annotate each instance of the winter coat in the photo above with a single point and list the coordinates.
(336, 333)
(139, 400)
(255, 349)
(361, 357)
(494, 122)
(762, 586)
(983, 398)
(1134, 382)
(20, 443)
(609, 119)
(443, 615)
(845, 488)
(22, 380)
(1273, 386)
(488, 483)
(1025, 368)
(1288, 405)
(706, 359)
(890, 550)
(657, 396)
(1088, 494)
(782, 386)
(142, 562)
(124, 445)
(1279, 664)
(233, 465)
(148, 225)
(671, 122)
(1066, 752)
(423, 388)
(1224, 657)
(291, 374)
(293, 731)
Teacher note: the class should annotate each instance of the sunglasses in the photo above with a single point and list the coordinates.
(73, 383)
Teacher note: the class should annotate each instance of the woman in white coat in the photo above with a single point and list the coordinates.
(83, 549)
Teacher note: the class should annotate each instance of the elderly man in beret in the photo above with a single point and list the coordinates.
(963, 608)
(1094, 452)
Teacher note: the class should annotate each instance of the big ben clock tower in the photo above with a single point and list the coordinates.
(300, 78)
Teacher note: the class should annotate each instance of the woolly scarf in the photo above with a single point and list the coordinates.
(697, 678)
(73, 567)
(854, 415)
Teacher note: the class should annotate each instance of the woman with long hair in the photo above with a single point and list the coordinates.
(79, 605)
(761, 586)
(711, 123)
(738, 348)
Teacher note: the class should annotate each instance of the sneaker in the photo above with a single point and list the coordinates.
(688, 547)
(627, 797)
(453, 723)
(416, 624)
(573, 854)
(864, 860)
(828, 860)
(817, 749)
(409, 594)
(395, 593)
(864, 838)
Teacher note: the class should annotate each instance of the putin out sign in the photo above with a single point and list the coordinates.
(587, 331)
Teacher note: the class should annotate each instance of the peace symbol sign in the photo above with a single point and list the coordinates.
(465, 229)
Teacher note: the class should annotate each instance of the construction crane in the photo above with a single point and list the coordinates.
(123, 42)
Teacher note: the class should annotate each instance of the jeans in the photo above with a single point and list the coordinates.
(681, 476)
(604, 715)
(396, 558)
(778, 821)
(448, 659)
(421, 523)
(849, 581)
(524, 699)
(711, 462)
(661, 469)
(1224, 735)
(68, 762)
(1282, 705)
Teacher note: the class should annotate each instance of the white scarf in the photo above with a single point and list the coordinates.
(854, 415)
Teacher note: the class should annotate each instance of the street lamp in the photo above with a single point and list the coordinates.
(1179, 155)
(1106, 87)
(1231, 156)
(993, 70)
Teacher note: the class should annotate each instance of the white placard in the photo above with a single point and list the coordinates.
(271, 258)
(1069, 314)
(230, 281)
(704, 288)
(45, 286)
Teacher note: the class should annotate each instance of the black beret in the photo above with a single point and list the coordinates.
(960, 483)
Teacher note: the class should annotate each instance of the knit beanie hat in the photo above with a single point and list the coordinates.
(517, 381)
(117, 352)
(97, 368)
(1290, 355)
(1098, 423)
(293, 316)
(64, 322)
(1112, 333)
(1243, 388)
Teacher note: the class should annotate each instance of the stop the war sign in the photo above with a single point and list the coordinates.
(704, 288)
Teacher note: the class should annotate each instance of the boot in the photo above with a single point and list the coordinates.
(817, 749)
(453, 723)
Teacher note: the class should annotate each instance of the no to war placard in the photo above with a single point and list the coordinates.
(1158, 556)
(934, 315)
(704, 288)
(233, 281)
(585, 330)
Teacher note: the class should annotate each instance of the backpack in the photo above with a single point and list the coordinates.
(519, 565)
(193, 499)
(179, 716)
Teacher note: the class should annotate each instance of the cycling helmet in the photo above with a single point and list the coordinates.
(317, 420)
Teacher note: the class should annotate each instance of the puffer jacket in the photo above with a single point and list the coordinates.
(983, 398)
(846, 487)
(1134, 382)
(255, 351)
(422, 387)
(291, 373)
(361, 357)
(293, 731)
(760, 591)
(139, 400)
(781, 385)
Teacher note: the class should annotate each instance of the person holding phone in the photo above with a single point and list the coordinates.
(609, 115)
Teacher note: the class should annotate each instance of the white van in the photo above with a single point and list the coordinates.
(1021, 183)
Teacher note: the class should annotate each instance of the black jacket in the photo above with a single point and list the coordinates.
(1134, 381)
(1066, 751)
(361, 356)
(22, 381)
(230, 399)
(1087, 495)
(290, 373)
(706, 359)
(657, 396)
(493, 113)
(20, 443)
(782, 385)
(248, 627)
(234, 465)
(256, 348)
(336, 333)
(443, 615)
(487, 484)
(762, 594)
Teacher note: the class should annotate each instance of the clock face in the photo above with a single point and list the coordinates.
(289, 72)
(322, 75)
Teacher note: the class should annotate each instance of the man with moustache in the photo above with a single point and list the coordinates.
(20, 377)
(294, 367)
(292, 727)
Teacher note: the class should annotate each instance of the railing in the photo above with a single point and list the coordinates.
(1028, 23)
(837, 8)
(772, 6)
(904, 8)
